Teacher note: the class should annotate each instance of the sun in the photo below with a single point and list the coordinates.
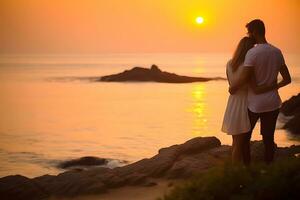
(199, 20)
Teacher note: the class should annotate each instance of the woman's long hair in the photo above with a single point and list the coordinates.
(238, 58)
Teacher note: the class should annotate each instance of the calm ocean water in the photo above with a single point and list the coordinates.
(48, 115)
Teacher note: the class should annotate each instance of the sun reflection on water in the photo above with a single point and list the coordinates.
(199, 110)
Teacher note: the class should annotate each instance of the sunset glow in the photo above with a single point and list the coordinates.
(64, 27)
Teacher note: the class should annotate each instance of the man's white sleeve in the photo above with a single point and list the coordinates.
(249, 59)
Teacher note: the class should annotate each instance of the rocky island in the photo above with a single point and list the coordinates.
(140, 74)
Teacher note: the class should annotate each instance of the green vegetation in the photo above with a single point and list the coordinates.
(279, 181)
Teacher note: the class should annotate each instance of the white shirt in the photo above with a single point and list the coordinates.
(266, 60)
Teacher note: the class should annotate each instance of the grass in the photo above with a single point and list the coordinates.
(278, 181)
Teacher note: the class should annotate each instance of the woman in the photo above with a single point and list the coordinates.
(236, 121)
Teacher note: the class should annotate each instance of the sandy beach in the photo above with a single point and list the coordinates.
(132, 192)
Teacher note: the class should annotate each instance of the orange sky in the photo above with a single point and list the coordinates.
(133, 26)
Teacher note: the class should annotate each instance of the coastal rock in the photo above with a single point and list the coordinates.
(198, 144)
(84, 161)
(283, 152)
(141, 74)
(177, 161)
(106, 176)
(18, 187)
(293, 125)
(164, 160)
(70, 183)
(188, 165)
(291, 107)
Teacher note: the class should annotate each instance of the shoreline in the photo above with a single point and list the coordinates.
(150, 175)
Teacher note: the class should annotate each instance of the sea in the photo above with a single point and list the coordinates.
(52, 111)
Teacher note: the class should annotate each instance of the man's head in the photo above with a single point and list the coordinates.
(256, 29)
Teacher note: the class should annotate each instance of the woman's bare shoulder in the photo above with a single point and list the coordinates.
(228, 64)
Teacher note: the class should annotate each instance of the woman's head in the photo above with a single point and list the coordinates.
(256, 28)
(244, 45)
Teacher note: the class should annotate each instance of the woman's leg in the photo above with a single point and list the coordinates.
(237, 148)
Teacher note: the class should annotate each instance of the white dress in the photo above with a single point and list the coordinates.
(236, 120)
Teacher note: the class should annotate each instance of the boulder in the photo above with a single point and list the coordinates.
(18, 187)
(166, 157)
(291, 107)
(198, 144)
(293, 125)
(70, 183)
(84, 161)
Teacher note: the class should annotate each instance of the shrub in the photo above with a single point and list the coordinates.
(280, 180)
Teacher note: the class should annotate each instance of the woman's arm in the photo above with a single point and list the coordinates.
(245, 77)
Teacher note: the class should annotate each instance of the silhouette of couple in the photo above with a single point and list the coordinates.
(252, 75)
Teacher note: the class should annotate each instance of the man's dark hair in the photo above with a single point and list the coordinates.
(257, 26)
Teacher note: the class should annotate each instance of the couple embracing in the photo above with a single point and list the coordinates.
(252, 75)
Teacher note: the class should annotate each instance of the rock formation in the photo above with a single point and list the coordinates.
(291, 107)
(177, 161)
(154, 74)
(84, 161)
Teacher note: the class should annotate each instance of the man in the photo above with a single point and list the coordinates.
(262, 65)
